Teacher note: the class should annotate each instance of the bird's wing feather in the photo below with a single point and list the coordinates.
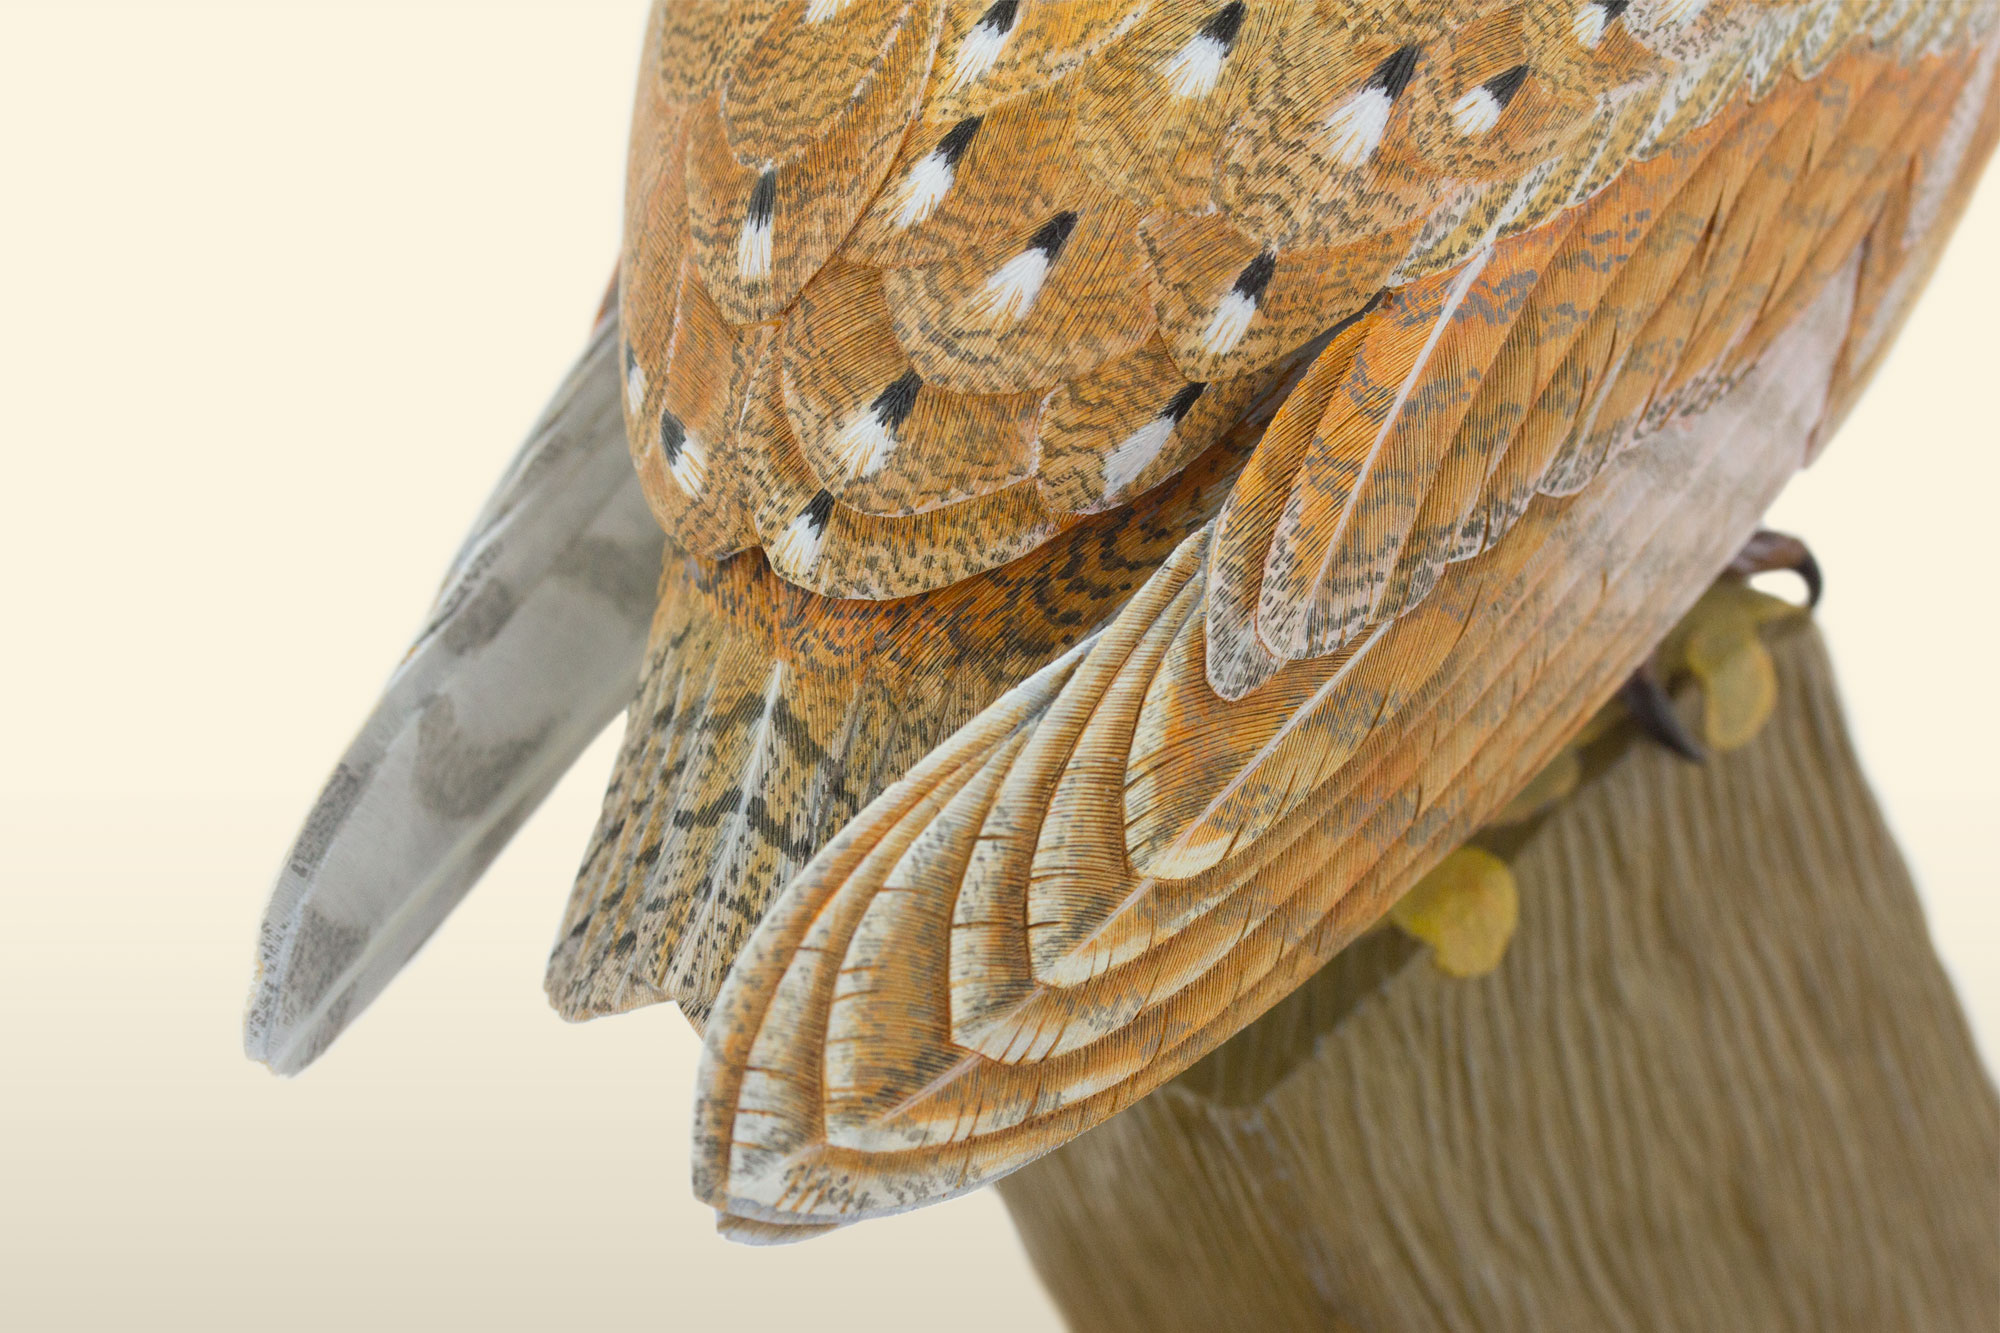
(974, 970)
(1609, 252)
(1131, 855)
(972, 431)
(1525, 370)
(912, 285)
(768, 716)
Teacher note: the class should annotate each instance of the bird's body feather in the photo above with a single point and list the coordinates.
(1145, 478)
(1474, 511)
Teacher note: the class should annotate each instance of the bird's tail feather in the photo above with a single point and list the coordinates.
(769, 716)
(535, 642)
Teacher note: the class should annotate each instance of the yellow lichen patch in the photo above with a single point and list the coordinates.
(1465, 910)
(1738, 685)
(1719, 643)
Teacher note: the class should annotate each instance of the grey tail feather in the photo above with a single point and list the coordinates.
(534, 644)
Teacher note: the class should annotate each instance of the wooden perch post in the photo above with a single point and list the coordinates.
(1719, 1081)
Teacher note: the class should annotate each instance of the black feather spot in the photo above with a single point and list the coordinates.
(763, 198)
(1256, 275)
(1000, 18)
(1393, 75)
(1504, 86)
(1183, 402)
(1053, 235)
(956, 139)
(892, 406)
(1225, 24)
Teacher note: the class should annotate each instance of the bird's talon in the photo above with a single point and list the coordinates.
(1646, 698)
(1767, 552)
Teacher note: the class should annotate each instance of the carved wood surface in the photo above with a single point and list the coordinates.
(1719, 1081)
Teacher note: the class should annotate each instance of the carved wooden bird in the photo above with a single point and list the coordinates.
(1141, 481)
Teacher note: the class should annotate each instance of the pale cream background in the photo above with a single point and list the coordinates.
(281, 285)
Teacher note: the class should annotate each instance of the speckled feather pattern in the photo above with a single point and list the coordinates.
(972, 972)
(769, 716)
(1527, 309)
(1142, 480)
(877, 251)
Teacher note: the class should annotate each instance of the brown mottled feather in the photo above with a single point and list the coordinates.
(1483, 301)
(768, 716)
(836, 1083)
(1000, 181)
(1114, 867)
(803, 151)
(878, 435)
(1235, 199)
(964, 327)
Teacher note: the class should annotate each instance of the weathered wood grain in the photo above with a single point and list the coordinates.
(1720, 1081)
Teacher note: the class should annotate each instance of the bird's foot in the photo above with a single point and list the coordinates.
(1647, 699)
(1768, 552)
(1719, 643)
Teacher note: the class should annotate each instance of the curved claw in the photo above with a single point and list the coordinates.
(1645, 696)
(534, 644)
(1768, 551)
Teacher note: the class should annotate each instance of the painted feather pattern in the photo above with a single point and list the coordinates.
(1145, 479)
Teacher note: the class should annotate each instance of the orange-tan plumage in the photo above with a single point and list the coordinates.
(1477, 265)
(770, 715)
(1145, 479)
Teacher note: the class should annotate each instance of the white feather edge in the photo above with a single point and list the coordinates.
(1193, 70)
(1011, 292)
(797, 548)
(635, 387)
(923, 189)
(1587, 25)
(1229, 323)
(977, 51)
(1476, 113)
(1355, 130)
(753, 249)
(864, 444)
(689, 467)
(1131, 455)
